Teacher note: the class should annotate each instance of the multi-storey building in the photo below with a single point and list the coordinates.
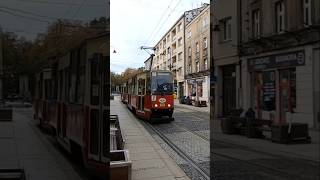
(279, 49)
(226, 55)
(170, 50)
(197, 56)
(169, 53)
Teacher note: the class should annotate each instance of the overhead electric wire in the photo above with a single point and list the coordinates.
(58, 3)
(83, 2)
(166, 19)
(148, 39)
(164, 12)
(69, 9)
(38, 15)
(18, 15)
(22, 31)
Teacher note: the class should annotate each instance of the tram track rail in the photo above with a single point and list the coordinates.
(282, 172)
(180, 152)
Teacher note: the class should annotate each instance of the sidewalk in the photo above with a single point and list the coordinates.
(149, 160)
(304, 151)
(200, 109)
(23, 146)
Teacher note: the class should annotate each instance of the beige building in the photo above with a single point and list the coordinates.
(169, 53)
(197, 59)
(170, 50)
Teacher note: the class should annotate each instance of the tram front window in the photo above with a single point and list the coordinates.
(161, 83)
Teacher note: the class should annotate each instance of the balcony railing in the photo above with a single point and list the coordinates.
(205, 52)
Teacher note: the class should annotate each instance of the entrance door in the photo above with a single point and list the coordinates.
(287, 83)
(228, 88)
(99, 113)
(181, 93)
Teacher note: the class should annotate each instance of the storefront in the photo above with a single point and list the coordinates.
(280, 86)
(198, 88)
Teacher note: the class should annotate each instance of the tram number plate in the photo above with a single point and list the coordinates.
(162, 105)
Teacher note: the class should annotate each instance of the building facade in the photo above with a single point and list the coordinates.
(226, 56)
(197, 56)
(170, 50)
(169, 54)
(280, 47)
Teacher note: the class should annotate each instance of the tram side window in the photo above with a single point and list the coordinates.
(94, 82)
(141, 86)
(106, 81)
(148, 86)
(73, 78)
(80, 76)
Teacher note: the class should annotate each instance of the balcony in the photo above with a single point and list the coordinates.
(205, 52)
(197, 56)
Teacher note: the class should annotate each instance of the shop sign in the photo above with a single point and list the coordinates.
(191, 81)
(296, 58)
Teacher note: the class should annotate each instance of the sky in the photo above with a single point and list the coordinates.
(28, 17)
(136, 23)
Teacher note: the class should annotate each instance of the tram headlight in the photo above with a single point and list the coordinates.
(169, 105)
(156, 105)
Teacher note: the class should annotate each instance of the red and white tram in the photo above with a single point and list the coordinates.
(71, 100)
(150, 95)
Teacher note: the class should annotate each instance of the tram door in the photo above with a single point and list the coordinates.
(99, 113)
(141, 93)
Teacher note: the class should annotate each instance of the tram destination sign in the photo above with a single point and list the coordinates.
(296, 58)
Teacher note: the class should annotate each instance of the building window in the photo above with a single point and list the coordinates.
(204, 22)
(197, 47)
(197, 66)
(180, 71)
(173, 34)
(256, 23)
(205, 62)
(205, 43)
(190, 68)
(189, 34)
(180, 42)
(226, 32)
(189, 51)
(307, 12)
(179, 27)
(179, 56)
(280, 10)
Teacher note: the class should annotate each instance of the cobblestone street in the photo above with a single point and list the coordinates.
(234, 156)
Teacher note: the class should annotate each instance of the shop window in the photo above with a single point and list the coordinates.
(257, 88)
(264, 90)
(269, 92)
(288, 89)
(200, 90)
